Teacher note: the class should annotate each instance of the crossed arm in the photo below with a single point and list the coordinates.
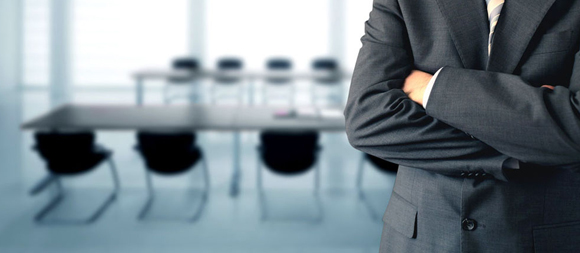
(381, 119)
(534, 125)
(416, 83)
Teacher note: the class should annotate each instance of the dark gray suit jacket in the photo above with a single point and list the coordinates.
(480, 113)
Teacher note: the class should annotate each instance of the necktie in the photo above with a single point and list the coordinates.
(493, 10)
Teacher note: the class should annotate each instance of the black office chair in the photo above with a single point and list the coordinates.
(380, 164)
(289, 153)
(227, 77)
(68, 154)
(280, 71)
(185, 64)
(327, 78)
(170, 154)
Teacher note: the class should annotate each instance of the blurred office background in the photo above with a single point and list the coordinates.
(54, 52)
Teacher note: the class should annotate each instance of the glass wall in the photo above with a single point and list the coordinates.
(112, 38)
(36, 42)
(258, 29)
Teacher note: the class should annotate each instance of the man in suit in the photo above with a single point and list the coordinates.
(489, 148)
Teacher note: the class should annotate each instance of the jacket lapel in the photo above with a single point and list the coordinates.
(469, 27)
(517, 24)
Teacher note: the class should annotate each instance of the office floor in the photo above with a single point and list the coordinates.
(348, 223)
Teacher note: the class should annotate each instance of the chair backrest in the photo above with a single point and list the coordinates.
(278, 65)
(191, 64)
(328, 66)
(67, 153)
(324, 64)
(288, 152)
(382, 165)
(53, 146)
(188, 64)
(229, 64)
(167, 152)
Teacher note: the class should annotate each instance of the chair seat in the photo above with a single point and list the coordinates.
(289, 152)
(77, 164)
(172, 163)
(288, 163)
(382, 164)
(69, 153)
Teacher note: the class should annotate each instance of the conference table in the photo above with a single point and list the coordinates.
(251, 76)
(234, 119)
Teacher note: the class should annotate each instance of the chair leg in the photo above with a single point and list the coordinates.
(240, 93)
(206, 176)
(39, 217)
(199, 210)
(60, 195)
(319, 208)
(166, 98)
(259, 173)
(263, 204)
(112, 196)
(212, 94)
(205, 194)
(102, 208)
(359, 178)
(264, 92)
(292, 94)
(260, 189)
(312, 95)
(317, 178)
(318, 201)
(194, 92)
(115, 176)
(150, 196)
(40, 186)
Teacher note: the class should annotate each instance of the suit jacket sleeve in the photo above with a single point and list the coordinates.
(381, 120)
(533, 125)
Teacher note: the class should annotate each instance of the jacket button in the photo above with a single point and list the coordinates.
(463, 174)
(469, 224)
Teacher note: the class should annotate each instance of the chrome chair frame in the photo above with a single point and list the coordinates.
(261, 192)
(55, 179)
(151, 192)
(360, 191)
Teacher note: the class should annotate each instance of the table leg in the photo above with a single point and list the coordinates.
(237, 170)
(139, 91)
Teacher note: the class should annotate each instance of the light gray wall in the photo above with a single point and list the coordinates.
(10, 65)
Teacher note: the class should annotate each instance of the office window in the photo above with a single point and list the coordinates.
(112, 38)
(258, 29)
(36, 42)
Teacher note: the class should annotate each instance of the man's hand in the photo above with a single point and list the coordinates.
(415, 85)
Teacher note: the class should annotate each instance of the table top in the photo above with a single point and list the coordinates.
(187, 117)
(184, 74)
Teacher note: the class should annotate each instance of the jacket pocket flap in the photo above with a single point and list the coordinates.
(401, 215)
(561, 238)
